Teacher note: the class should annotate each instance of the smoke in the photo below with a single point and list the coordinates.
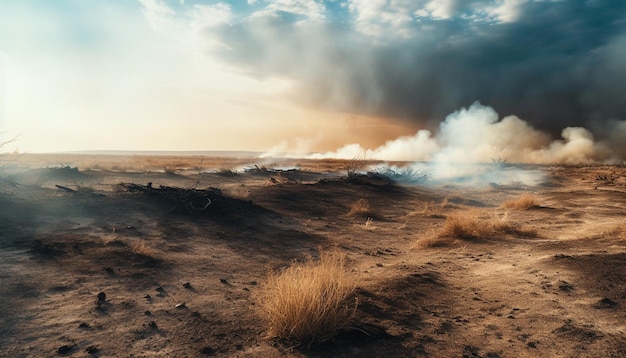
(477, 135)
(556, 64)
(474, 145)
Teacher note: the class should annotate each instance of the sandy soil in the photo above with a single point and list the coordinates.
(175, 282)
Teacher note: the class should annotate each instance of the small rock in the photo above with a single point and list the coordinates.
(181, 305)
(65, 349)
(160, 289)
(207, 351)
(186, 285)
(109, 271)
(84, 325)
(102, 297)
(606, 303)
(224, 281)
(148, 313)
(92, 349)
(147, 297)
(153, 324)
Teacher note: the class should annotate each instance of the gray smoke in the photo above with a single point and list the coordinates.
(556, 64)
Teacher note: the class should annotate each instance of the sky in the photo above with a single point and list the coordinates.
(336, 77)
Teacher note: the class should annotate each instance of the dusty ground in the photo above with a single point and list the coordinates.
(560, 292)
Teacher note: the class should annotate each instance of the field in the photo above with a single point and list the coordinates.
(148, 256)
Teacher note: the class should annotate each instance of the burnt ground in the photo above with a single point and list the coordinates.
(100, 271)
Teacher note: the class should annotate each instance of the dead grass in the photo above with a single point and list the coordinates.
(472, 226)
(308, 302)
(432, 239)
(617, 233)
(360, 208)
(524, 202)
(369, 224)
(140, 248)
(432, 210)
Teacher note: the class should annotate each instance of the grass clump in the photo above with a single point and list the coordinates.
(140, 248)
(360, 207)
(308, 302)
(524, 202)
(469, 226)
(616, 233)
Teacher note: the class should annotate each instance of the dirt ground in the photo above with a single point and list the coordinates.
(93, 269)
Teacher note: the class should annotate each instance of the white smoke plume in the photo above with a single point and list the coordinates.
(477, 135)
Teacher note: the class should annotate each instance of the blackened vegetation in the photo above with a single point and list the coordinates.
(189, 199)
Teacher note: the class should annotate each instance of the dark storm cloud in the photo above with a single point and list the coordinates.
(557, 64)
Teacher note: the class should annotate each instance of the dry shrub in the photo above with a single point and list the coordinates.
(308, 302)
(360, 208)
(354, 166)
(470, 226)
(525, 201)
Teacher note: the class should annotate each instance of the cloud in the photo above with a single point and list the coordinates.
(507, 10)
(440, 9)
(308, 8)
(554, 63)
(157, 13)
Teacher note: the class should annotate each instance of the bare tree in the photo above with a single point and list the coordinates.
(2, 144)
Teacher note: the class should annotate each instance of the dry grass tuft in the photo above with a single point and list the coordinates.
(617, 233)
(432, 210)
(470, 226)
(308, 302)
(369, 224)
(361, 208)
(524, 202)
(432, 239)
(140, 248)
